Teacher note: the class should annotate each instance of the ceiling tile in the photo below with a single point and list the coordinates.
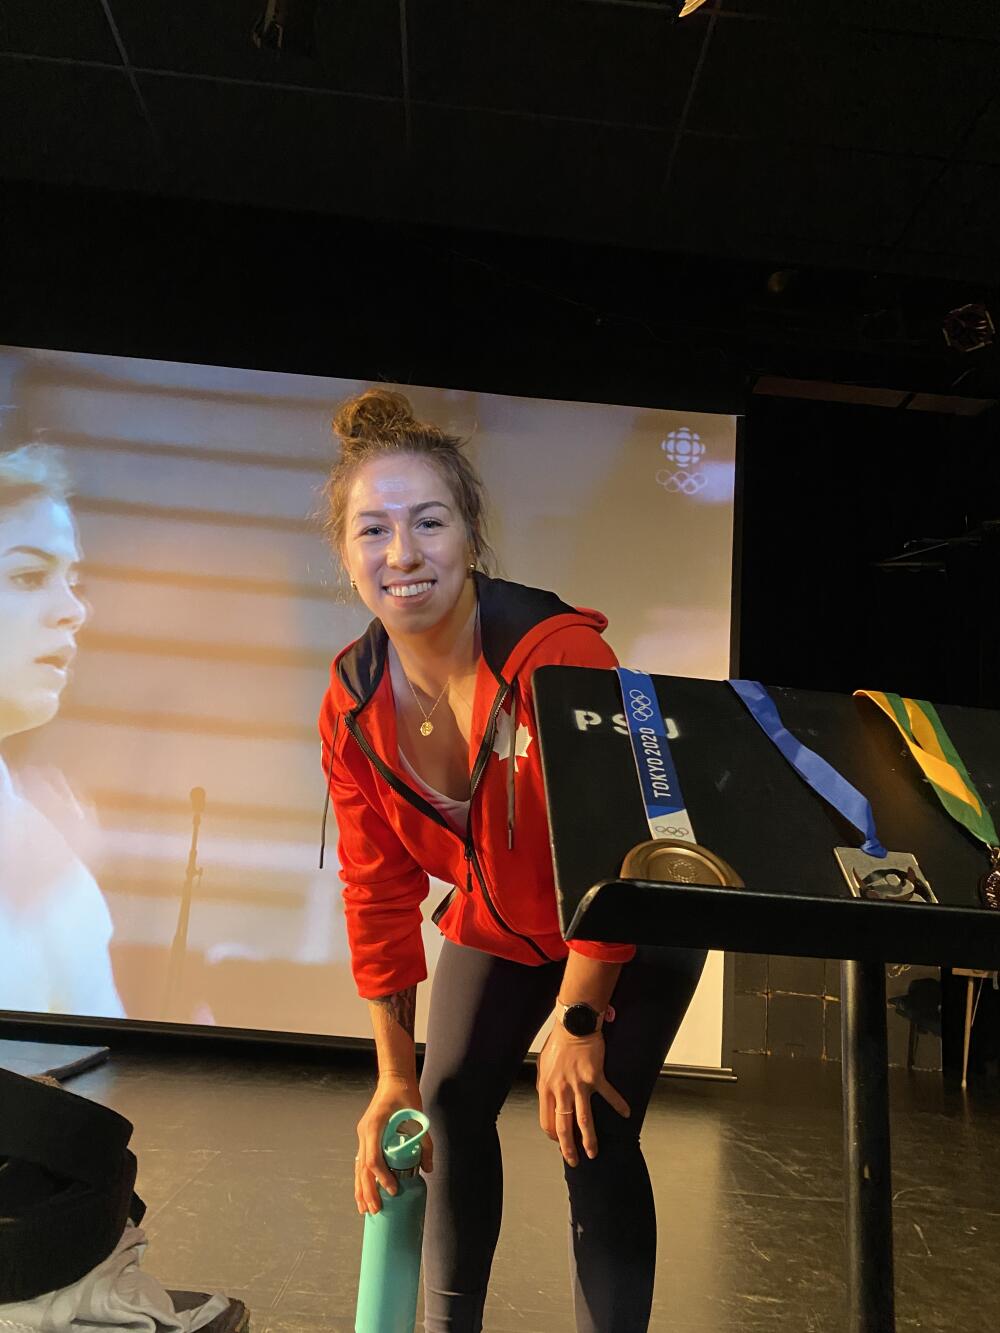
(358, 43)
(953, 18)
(842, 86)
(555, 178)
(302, 149)
(983, 144)
(758, 196)
(72, 123)
(807, 142)
(959, 217)
(74, 29)
(561, 58)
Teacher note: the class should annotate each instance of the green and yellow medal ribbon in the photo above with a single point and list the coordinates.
(940, 762)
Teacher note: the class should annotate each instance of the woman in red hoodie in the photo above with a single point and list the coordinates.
(431, 760)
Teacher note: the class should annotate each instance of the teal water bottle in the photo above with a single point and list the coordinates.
(390, 1252)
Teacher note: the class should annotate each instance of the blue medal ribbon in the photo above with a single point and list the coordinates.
(661, 790)
(814, 770)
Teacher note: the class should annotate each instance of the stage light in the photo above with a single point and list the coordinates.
(781, 280)
(287, 27)
(968, 328)
(675, 9)
(680, 9)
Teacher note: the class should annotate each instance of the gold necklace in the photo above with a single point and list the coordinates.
(427, 726)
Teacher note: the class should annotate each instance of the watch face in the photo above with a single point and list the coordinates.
(580, 1020)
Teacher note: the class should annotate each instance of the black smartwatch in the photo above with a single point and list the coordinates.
(579, 1020)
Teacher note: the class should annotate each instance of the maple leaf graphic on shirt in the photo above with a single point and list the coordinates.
(501, 744)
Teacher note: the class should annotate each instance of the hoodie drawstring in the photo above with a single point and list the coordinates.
(511, 810)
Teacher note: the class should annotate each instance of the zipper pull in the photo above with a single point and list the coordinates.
(468, 868)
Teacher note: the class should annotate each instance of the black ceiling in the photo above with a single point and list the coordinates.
(864, 133)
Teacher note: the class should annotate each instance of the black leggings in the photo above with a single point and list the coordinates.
(484, 1013)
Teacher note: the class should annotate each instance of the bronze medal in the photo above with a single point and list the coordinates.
(989, 884)
(670, 861)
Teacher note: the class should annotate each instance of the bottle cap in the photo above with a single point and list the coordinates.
(402, 1150)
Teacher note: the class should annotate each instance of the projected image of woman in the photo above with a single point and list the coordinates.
(431, 759)
(54, 924)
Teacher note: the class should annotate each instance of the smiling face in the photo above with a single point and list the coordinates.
(40, 612)
(405, 544)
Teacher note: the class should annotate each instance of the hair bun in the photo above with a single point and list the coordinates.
(377, 415)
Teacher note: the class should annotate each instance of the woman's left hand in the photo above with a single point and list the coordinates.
(570, 1071)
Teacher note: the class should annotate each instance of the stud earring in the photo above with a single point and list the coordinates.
(354, 586)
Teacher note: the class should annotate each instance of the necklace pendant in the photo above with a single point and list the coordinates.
(426, 727)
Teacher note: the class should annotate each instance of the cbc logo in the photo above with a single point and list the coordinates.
(685, 449)
(640, 705)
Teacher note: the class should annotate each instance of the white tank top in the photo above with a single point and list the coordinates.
(456, 813)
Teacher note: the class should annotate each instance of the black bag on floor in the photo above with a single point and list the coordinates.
(66, 1186)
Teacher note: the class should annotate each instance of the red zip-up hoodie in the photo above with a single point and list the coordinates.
(392, 839)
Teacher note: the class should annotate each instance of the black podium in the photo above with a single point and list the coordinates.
(750, 807)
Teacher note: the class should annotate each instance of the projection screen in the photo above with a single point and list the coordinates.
(210, 611)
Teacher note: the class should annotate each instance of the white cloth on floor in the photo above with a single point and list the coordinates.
(116, 1294)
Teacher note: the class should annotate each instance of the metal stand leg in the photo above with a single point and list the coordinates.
(867, 1160)
(969, 1015)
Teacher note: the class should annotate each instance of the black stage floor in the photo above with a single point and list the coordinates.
(246, 1166)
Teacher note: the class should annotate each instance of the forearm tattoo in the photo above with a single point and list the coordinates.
(401, 1007)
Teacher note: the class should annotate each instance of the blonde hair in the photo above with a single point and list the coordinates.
(31, 471)
(379, 422)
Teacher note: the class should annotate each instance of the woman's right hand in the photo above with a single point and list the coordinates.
(392, 1093)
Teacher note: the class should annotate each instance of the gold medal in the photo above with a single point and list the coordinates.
(670, 861)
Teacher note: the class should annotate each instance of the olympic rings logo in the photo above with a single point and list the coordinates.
(672, 832)
(640, 705)
(681, 482)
